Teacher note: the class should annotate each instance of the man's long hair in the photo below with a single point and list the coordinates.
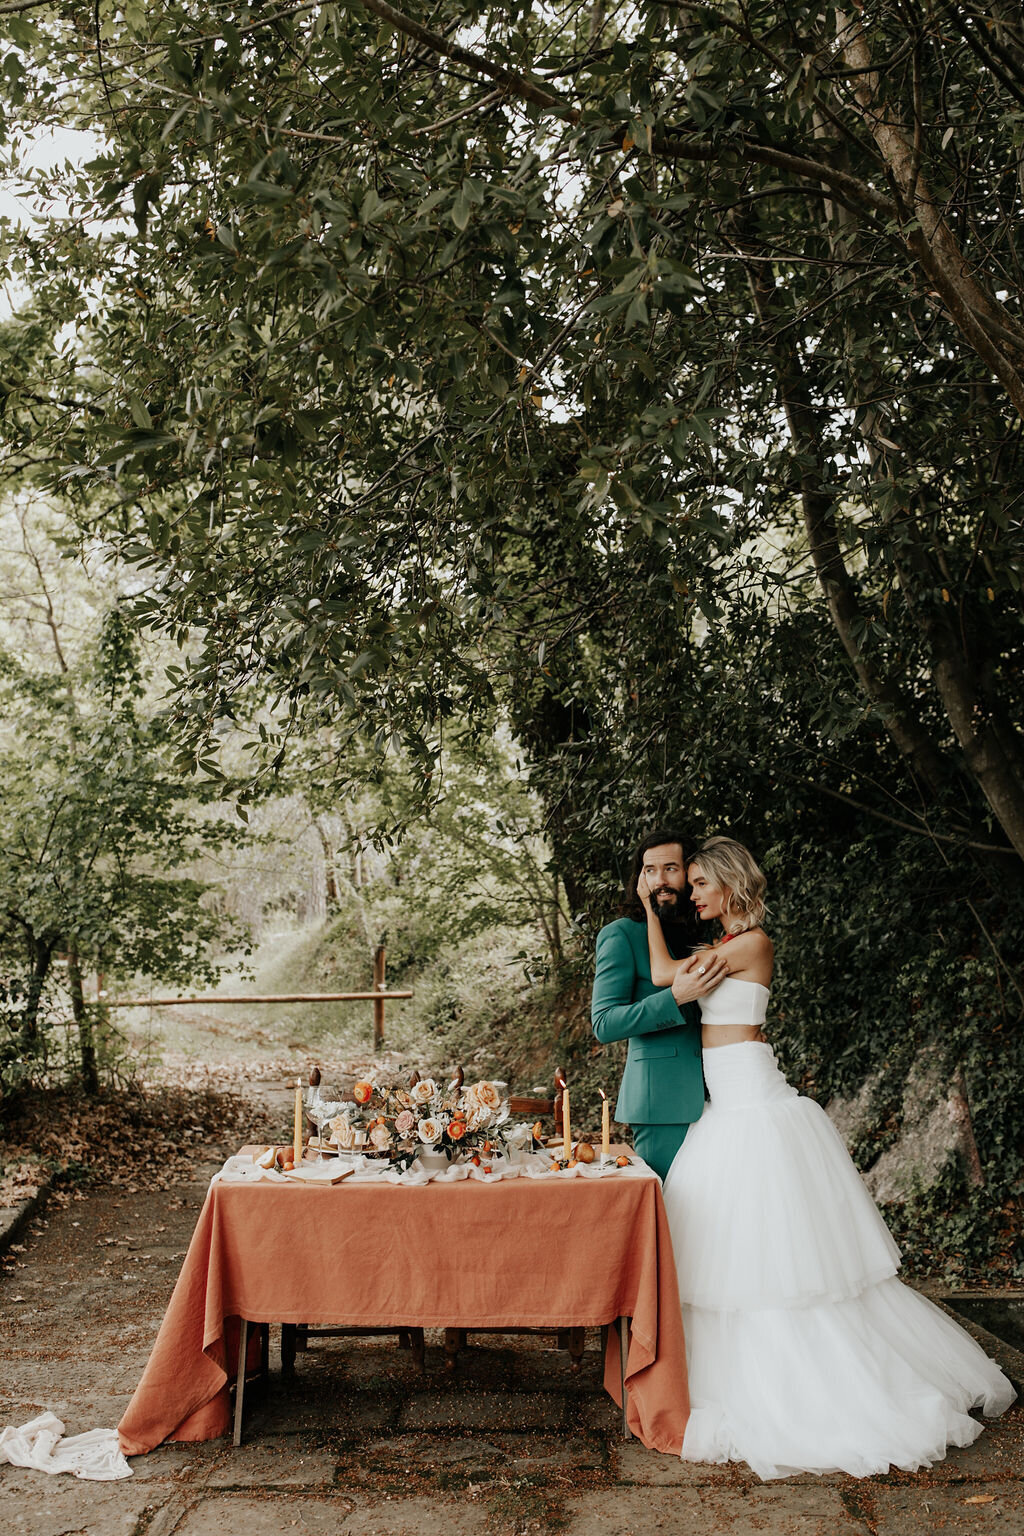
(631, 903)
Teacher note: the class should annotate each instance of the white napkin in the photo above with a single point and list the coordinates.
(369, 1170)
(40, 1444)
(240, 1169)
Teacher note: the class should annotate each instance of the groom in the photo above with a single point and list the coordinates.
(662, 1089)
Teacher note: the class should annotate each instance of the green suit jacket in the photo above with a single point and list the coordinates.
(663, 1083)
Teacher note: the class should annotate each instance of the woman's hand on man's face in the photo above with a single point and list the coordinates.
(643, 889)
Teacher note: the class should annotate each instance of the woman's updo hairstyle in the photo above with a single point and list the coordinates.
(728, 865)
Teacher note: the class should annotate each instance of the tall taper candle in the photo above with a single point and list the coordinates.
(606, 1129)
(297, 1146)
(566, 1132)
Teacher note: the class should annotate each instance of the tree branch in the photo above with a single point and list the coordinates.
(906, 826)
(15, 7)
(513, 79)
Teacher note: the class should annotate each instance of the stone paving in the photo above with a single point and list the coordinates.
(359, 1444)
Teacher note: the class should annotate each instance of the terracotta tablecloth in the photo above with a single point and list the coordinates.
(522, 1253)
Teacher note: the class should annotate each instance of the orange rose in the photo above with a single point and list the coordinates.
(456, 1130)
(362, 1093)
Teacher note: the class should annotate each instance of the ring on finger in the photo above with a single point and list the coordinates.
(701, 969)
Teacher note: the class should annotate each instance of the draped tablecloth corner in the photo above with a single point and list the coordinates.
(520, 1253)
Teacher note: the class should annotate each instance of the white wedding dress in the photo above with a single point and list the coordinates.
(805, 1353)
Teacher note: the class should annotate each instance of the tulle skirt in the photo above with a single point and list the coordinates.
(805, 1353)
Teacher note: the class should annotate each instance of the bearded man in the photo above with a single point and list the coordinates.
(662, 1089)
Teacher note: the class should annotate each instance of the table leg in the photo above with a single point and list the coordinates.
(243, 1345)
(623, 1352)
(288, 1349)
(454, 1339)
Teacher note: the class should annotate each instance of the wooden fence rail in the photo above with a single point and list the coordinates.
(379, 996)
(251, 997)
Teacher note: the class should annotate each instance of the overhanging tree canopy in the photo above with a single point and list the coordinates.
(420, 353)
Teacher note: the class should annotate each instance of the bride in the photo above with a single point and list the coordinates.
(805, 1353)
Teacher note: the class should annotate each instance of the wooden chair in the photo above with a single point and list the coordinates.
(295, 1337)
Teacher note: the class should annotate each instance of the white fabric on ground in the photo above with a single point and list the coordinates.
(41, 1445)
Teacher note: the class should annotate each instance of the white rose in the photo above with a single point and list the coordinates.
(423, 1091)
(429, 1131)
(342, 1133)
(380, 1137)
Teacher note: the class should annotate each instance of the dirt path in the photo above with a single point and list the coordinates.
(358, 1443)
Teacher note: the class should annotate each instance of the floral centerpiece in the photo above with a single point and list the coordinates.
(399, 1123)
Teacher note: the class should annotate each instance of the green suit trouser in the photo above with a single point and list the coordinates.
(658, 1145)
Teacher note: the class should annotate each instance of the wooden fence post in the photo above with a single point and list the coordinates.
(378, 1002)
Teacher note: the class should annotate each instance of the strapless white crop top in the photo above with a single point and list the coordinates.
(735, 1001)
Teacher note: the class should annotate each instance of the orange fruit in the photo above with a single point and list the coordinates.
(622, 1162)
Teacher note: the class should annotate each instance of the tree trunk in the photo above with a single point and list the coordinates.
(987, 327)
(556, 920)
(330, 867)
(913, 742)
(41, 956)
(84, 1023)
(991, 747)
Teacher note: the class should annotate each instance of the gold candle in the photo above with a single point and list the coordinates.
(297, 1144)
(606, 1129)
(566, 1132)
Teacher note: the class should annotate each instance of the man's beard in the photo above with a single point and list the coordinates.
(674, 918)
(668, 905)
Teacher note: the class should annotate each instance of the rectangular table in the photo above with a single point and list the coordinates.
(562, 1253)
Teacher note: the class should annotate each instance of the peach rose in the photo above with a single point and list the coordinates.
(429, 1131)
(405, 1122)
(423, 1091)
(362, 1093)
(380, 1137)
(483, 1096)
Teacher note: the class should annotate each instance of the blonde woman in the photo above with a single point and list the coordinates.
(805, 1352)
